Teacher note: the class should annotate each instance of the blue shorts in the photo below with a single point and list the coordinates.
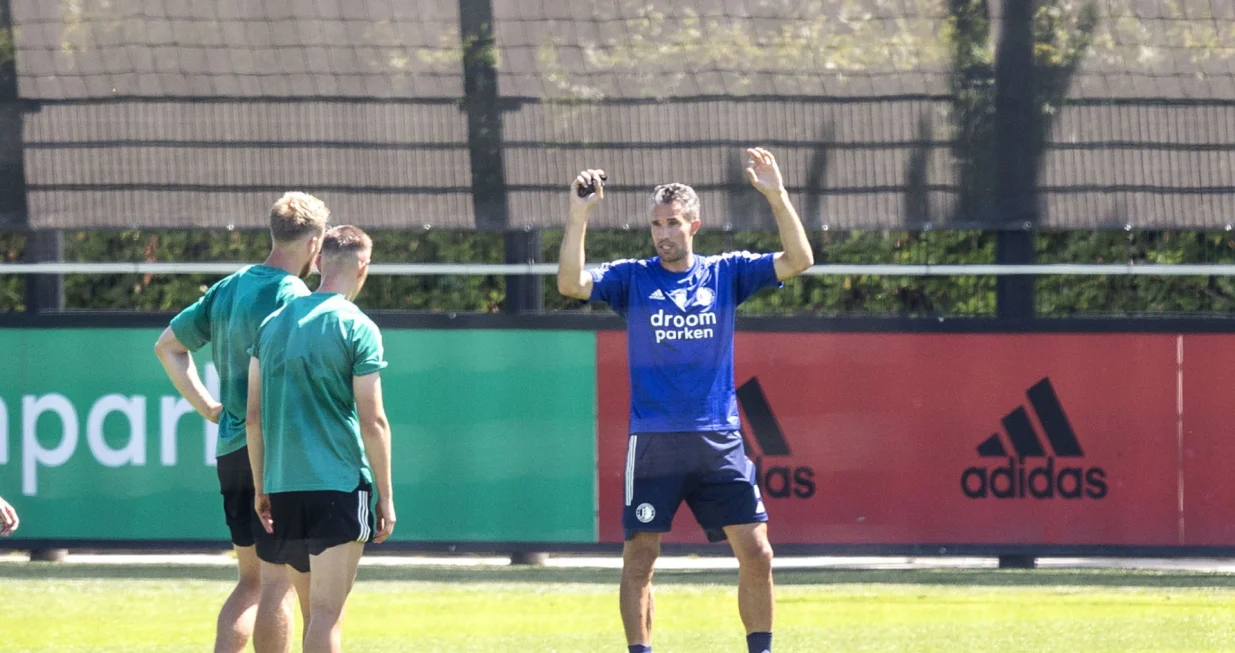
(709, 470)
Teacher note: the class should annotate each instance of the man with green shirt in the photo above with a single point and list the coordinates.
(319, 440)
(227, 318)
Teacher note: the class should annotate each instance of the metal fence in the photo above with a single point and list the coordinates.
(475, 114)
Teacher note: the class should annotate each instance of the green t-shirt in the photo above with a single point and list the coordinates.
(309, 351)
(227, 317)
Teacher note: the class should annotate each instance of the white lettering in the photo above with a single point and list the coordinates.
(212, 429)
(684, 326)
(171, 409)
(4, 433)
(32, 453)
(134, 451)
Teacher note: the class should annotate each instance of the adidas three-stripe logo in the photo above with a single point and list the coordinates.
(1025, 442)
(1015, 479)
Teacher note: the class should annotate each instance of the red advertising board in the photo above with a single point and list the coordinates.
(1207, 438)
(1056, 439)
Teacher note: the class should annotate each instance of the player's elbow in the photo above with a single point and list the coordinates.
(570, 288)
(804, 261)
(577, 286)
(375, 428)
(791, 264)
(162, 347)
(168, 346)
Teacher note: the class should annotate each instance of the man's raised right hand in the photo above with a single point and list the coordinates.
(586, 181)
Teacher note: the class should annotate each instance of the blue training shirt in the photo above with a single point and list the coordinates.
(679, 330)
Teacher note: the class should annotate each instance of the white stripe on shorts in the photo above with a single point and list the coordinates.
(630, 468)
(362, 514)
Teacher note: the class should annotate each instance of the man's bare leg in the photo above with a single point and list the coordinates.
(639, 556)
(755, 596)
(276, 611)
(332, 575)
(235, 623)
(301, 583)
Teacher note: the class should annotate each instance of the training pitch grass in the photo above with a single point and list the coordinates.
(168, 609)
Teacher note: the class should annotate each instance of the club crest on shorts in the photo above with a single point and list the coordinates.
(645, 513)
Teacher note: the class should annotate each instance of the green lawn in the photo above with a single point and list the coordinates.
(169, 609)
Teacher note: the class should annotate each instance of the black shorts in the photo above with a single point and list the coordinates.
(308, 523)
(236, 485)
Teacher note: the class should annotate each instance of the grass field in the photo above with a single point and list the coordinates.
(168, 609)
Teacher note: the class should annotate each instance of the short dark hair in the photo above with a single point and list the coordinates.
(675, 192)
(346, 239)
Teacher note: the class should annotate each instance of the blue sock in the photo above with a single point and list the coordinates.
(759, 642)
(639, 648)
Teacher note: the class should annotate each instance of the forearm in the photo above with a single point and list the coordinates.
(571, 257)
(257, 455)
(182, 371)
(793, 238)
(376, 435)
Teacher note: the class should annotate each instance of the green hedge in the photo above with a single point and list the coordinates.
(853, 295)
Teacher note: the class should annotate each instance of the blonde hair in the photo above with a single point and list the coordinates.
(297, 214)
(670, 193)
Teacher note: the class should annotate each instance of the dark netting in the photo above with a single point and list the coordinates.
(168, 113)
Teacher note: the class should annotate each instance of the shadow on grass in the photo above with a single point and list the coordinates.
(465, 575)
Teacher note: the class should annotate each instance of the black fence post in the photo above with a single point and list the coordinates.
(524, 293)
(1016, 164)
(43, 292)
(482, 101)
(1016, 157)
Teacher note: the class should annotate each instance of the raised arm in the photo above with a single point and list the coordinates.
(795, 256)
(572, 280)
(375, 431)
(180, 368)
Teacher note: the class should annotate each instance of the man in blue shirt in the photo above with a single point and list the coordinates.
(685, 443)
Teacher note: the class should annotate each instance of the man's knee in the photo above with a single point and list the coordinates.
(324, 613)
(249, 582)
(752, 548)
(639, 555)
(756, 557)
(276, 586)
(250, 578)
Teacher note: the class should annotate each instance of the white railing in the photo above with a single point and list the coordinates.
(491, 269)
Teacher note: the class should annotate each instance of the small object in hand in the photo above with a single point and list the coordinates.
(590, 188)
